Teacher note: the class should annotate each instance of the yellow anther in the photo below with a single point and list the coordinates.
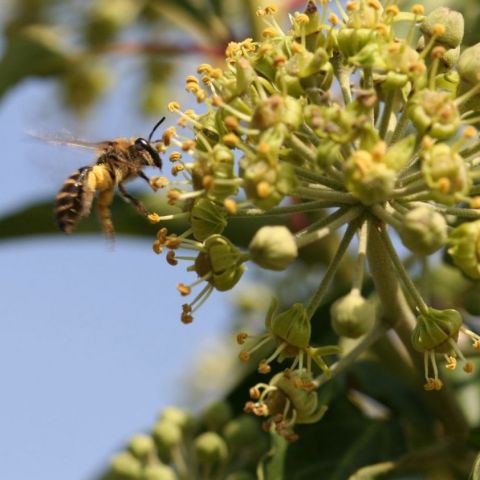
(263, 148)
(438, 52)
(297, 47)
(231, 122)
(159, 182)
(444, 185)
(417, 9)
(241, 337)
(183, 289)
(475, 203)
(375, 4)
(271, 9)
(392, 10)
(378, 151)
(451, 363)
(173, 106)
(153, 218)
(216, 73)
(170, 257)
(470, 132)
(188, 145)
(302, 18)
(427, 142)
(263, 189)
(204, 68)
(264, 367)
(191, 79)
(244, 356)
(201, 95)
(231, 140)
(207, 182)
(176, 169)
(438, 29)
(269, 32)
(352, 6)
(157, 247)
(175, 156)
(230, 206)
(333, 19)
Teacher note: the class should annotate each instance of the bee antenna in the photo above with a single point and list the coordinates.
(154, 128)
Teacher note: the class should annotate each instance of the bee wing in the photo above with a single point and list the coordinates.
(68, 141)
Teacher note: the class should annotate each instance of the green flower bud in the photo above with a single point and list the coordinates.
(446, 173)
(303, 400)
(400, 153)
(465, 248)
(434, 329)
(217, 414)
(352, 40)
(265, 184)
(180, 417)
(241, 476)
(167, 434)
(469, 65)
(245, 76)
(218, 163)
(221, 261)
(273, 248)
(352, 315)
(423, 230)
(141, 446)
(371, 181)
(125, 466)
(241, 432)
(337, 124)
(328, 152)
(452, 21)
(207, 219)
(158, 472)
(210, 448)
(292, 326)
(401, 59)
(84, 83)
(450, 58)
(107, 17)
(277, 109)
(434, 113)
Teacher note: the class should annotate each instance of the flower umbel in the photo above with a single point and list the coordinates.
(359, 124)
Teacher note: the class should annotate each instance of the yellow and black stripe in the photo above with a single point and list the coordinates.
(69, 206)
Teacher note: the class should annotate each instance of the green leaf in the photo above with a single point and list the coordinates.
(341, 443)
(31, 51)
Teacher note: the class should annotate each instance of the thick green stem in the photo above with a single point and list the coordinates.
(399, 316)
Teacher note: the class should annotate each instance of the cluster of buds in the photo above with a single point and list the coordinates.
(344, 117)
(181, 446)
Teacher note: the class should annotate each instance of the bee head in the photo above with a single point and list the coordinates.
(144, 145)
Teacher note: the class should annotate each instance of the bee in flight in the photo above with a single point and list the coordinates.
(117, 161)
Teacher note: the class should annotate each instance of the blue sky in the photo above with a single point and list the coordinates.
(91, 346)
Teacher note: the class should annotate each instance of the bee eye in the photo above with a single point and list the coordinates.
(141, 144)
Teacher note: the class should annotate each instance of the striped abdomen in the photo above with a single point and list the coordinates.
(73, 201)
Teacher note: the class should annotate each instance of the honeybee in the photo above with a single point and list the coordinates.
(117, 161)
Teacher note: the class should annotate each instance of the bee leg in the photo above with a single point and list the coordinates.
(104, 200)
(133, 201)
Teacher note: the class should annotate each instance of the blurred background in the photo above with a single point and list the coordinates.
(91, 343)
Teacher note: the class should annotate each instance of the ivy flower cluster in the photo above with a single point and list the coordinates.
(364, 114)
